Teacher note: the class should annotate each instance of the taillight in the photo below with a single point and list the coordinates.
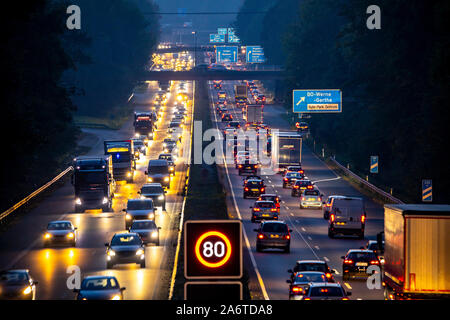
(348, 261)
(239, 165)
(273, 209)
(285, 179)
(363, 218)
(246, 189)
(287, 237)
(328, 205)
(301, 171)
(296, 187)
(374, 262)
(319, 199)
(262, 189)
(345, 298)
(256, 209)
(303, 198)
(260, 236)
(307, 299)
(332, 217)
(297, 289)
(328, 275)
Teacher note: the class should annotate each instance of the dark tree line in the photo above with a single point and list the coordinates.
(39, 100)
(395, 85)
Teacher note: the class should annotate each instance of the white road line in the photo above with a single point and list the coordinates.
(323, 180)
(292, 214)
(309, 238)
(303, 229)
(317, 247)
(347, 285)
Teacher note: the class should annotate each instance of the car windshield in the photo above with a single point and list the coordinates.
(310, 267)
(11, 277)
(99, 284)
(309, 277)
(265, 204)
(126, 240)
(254, 183)
(143, 225)
(84, 178)
(311, 193)
(275, 227)
(294, 175)
(138, 143)
(362, 256)
(269, 198)
(326, 292)
(167, 157)
(140, 205)
(145, 190)
(303, 182)
(158, 169)
(59, 226)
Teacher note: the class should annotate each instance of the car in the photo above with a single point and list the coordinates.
(171, 148)
(325, 291)
(178, 117)
(147, 230)
(264, 210)
(174, 124)
(311, 198)
(158, 172)
(301, 281)
(271, 197)
(222, 109)
(138, 209)
(312, 265)
(234, 124)
(374, 246)
(260, 98)
(301, 185)
(221, 94)
(143, 138)
(60, 232)
(177, 134)
(273, 234)
(125, 248)
(253, 188)
(17, 284)
(156, 192)
(170, 160)
(247, 166)
(139, 146)
(302, 127)
(326, 206)
(293, 169)
(290, 178)
(347, 217)
(356, 262)
(100, 288)
(226, 117)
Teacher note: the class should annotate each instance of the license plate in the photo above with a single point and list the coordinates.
(255, 189)
(361, 264)
(312, 199)
(266, 215)
(248, 167)
(340, 223)
(274, 236)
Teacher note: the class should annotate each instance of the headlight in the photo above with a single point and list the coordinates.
(136, 135)
(171, 168)
(150, 134)
(27, 290)
(105, 200)
(128, 217)
(150, 179)
(166, 179)
(142, 148)
(139, 252)
(70, 235)
(128, 174)
(151, 215)
(161, 197)
(164, 144)
(78, 201)
(154, 234)
(111, 253)
(116, 297)
(47, 236)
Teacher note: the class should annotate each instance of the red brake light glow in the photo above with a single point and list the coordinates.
(348, 261)
(332, 217)
(363, 218)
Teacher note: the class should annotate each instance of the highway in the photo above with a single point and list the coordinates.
(22, 246)
(309, 237)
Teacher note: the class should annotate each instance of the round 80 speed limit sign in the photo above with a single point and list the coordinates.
(213, 249)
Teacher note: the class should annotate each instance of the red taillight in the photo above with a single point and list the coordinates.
(296, 187)
(345, 298)
(239, 165)
(246, 189)
(309, 187)
(273, 210)
(301, 171)
(328, 205)
(256, 209)
(332, 217)
(285, 179)
(328, 275)
(303, 198)
(260, 236)
(363, 218)
(297, 289)
(348, 261)
(307, 299)
(287, 237)
(262, 189)
(374, 262)
(277, 205)
(319, 199)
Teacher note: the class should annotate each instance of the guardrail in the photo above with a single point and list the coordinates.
(369, 186)
(6, 213)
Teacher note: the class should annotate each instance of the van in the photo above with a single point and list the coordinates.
(347, 217)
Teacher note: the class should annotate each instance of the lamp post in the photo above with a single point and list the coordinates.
(195, 47)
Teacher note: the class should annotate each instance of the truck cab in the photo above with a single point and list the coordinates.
(93, 182)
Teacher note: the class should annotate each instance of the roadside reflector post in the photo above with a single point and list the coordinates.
(323, 153)
(348, 166)
(391, 191)
(367, 178)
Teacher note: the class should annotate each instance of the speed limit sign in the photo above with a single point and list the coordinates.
(213, 249)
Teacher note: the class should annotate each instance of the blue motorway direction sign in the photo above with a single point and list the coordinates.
(221, 30)
(233, 38)
(373, 164)
(427, 190)
(226, 54)
(317, 100)
(255, 54)
(216, 38)
(231, 31)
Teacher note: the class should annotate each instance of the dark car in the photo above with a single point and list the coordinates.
(125, 248)
(227, 117)
(264, 210)
(139, 147)
(247, 167)
(158, 172)
(170, 160)
(300, 186)
(156, 192)
(100, 288)
(273, 234)
(290, 178)
(234, 124)
(138, 209)
(325, 291)
(147, 230)
(261, 98)
(301, 281)
(17, 284)
(312, 265)
(271, 197)
(60, 232)
(253, 188)
(356, 262)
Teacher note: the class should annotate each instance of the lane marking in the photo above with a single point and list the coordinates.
(347, 285)
(303, 229)
(323, 180)
(317, 247)
(309, 238)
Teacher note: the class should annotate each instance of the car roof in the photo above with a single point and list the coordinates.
(144, 220)
(158, 162)
(310, 261)
(99, 277)
(154, 184)
(254, 180)
(264, 201)
(16, 270)
(165, 154)
(120, 234)
(359, 251)
(138, 200)
(268, 195)
(273, 221)
(60, 221)
(325, 284)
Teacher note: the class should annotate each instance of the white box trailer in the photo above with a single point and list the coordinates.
(254, 114)
(417, 251)
(286, 149)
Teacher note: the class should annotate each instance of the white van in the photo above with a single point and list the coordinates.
(347, 217)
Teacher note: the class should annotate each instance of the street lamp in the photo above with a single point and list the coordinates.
(195, 47)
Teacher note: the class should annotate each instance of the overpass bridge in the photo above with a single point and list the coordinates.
(211, 75)
(181, 49)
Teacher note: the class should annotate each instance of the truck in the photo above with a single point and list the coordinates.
(124, 163)
(254, 114)
(144, 123)
(240, 91)
(93, 182)
(286, 150)
(416, 251)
